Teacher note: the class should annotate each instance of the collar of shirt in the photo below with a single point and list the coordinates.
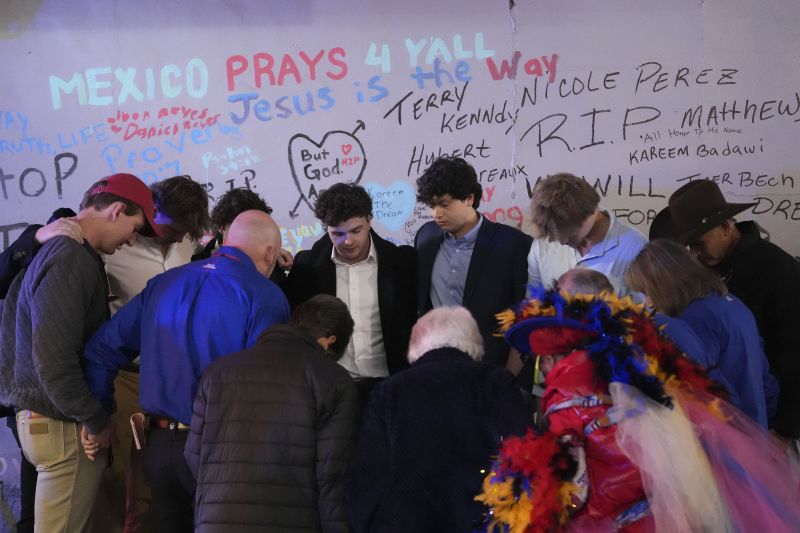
(470, 237)
(232, 253)
(147, 252)
(130, 268)
(610, 240)
(372, 256)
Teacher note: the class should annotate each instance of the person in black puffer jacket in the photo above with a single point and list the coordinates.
(273, 429)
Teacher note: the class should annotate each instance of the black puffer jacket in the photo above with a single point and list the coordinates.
(271, 438)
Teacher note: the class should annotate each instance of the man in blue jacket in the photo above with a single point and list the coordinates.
(182, 321)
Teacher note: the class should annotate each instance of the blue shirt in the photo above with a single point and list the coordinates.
(183, 320)
(728, 331)
(449, 275)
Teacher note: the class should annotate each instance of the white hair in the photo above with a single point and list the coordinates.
(446, 327)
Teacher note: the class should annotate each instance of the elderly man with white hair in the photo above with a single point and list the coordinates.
(429, 431)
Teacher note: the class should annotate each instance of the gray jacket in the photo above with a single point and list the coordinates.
(50, 311)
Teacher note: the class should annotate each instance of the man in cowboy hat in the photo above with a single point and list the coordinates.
(758, 272)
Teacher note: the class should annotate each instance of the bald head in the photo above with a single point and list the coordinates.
(257, 235)
(584, 281)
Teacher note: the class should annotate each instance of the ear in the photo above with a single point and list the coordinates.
(327, 342)
(116, 209)
(270, 258)
(728, 226)
(469, 200)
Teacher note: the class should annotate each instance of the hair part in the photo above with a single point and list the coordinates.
(322, 316)
(341, 202)
(102, 200)
(446, 327)
(671, 277)
(560, 204)
(449, 175)
(235, 202)
(185, 201)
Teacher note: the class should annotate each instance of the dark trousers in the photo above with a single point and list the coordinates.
(171, 482)
(27, 486)
(364, 387)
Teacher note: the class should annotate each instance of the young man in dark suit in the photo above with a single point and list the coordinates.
(465, 259)
(375, 278)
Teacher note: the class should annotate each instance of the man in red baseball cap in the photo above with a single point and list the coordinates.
(51, 307)
(132, 192)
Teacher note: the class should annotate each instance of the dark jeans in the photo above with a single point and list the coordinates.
(27, 486)
(170, 480)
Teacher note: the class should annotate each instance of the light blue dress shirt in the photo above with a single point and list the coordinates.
(450, 267)
(614, 254)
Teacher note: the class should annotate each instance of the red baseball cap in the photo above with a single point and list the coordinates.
(133, 189)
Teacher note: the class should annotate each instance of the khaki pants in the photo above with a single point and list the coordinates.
(68, 480)
(124, 501)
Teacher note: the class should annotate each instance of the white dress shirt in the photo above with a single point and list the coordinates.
(131, 267)
(548, 260)
(357, 287)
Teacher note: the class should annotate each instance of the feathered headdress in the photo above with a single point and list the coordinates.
(620, 337)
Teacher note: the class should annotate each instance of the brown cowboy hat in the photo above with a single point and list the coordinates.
(693, 209)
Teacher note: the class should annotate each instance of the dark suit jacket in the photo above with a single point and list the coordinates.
(496, 279)
(314, 273)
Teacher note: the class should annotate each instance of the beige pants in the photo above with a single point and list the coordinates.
(123, 503)
(68, 480)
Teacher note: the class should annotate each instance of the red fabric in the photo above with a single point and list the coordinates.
(556, 340)
(614, 482)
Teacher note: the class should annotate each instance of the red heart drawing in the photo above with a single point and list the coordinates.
(346, 148)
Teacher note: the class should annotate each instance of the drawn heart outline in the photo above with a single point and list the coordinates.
(297, 173)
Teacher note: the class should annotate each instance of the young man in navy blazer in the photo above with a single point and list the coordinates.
(464, 258)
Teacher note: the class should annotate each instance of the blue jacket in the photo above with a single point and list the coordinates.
(183, 320)
(728, 331)
(687, 341)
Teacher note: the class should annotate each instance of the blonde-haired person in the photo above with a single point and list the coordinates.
(676, 284)
(430, 429)
(572, 230)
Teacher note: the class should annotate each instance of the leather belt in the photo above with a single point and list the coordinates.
(167, 423)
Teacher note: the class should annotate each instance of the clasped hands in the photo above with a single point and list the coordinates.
(95, 443)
